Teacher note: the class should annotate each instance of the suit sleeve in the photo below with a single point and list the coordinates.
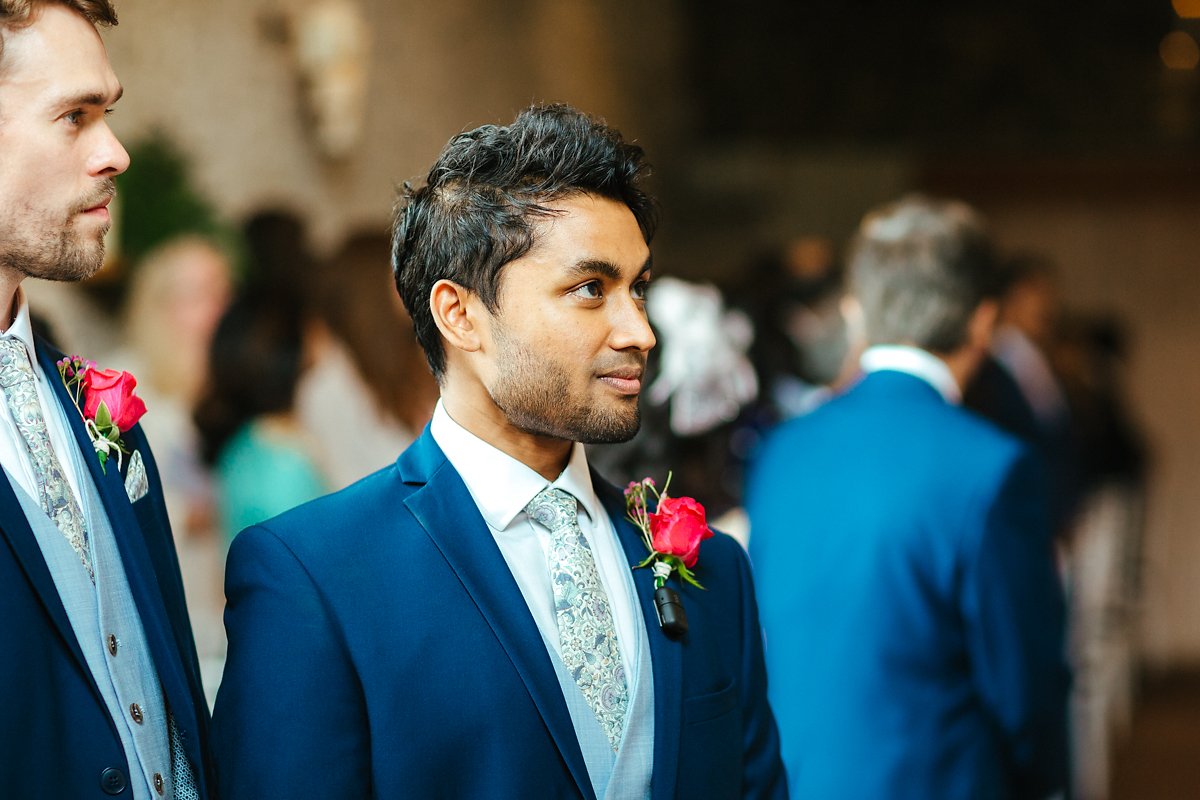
(1015, 618)
(290, 720)
(762, 775)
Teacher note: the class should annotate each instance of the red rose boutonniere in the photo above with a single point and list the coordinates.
(106, 400)
(672, 533)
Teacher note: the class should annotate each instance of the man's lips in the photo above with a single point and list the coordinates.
(101, 206)
(625, 381)
(97, 204)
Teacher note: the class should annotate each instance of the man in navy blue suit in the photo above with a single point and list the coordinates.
(466, 623)
(101, 688)
(906, 575)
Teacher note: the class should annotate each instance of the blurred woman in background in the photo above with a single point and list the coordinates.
(369, 392)
(264, 460)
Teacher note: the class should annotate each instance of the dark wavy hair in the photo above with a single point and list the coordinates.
(477, 209)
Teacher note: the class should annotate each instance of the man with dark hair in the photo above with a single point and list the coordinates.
(913, 613)
(466, 622)
(1018, 388)
(102, 694)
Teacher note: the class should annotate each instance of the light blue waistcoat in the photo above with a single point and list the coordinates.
(626, 774)
(98, 612)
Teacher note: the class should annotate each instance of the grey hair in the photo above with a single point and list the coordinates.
(920, 267)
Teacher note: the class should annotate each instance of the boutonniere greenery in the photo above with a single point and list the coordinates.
(672, 532)
(106, 401)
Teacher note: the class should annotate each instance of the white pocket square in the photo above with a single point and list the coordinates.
(137, 485)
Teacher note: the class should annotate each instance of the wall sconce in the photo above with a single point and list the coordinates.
(332, 48)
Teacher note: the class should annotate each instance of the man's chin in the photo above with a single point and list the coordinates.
(611, 431)
(78, 265)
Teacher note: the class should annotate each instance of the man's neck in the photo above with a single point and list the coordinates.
(10, 298)
(478, 414)
(961, 367)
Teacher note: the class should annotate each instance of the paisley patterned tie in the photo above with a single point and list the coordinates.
(586, 630)
(58, 501)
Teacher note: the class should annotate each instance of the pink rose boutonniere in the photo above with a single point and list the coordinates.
(672, 532)
(106, 400)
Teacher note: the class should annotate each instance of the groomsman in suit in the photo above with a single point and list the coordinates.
(466, 622)
(913, 614)
(101, 692)
(1017, 388)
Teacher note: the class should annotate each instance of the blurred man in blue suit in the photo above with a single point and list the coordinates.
(906, 574)
(465, 623)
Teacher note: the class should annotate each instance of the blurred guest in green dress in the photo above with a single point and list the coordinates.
(264, 461)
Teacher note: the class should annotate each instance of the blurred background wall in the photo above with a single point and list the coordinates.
(1074, 129)
(224, 78)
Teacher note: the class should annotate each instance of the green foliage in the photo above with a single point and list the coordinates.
(158, 201)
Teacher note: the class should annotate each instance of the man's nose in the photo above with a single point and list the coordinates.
(109, 158)
(631, 327)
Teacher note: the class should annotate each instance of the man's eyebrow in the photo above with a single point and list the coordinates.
(89, 99)
(595, 266)
(607, 269)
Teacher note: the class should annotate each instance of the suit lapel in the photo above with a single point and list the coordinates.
(135, 556)
(24, 544)
(665, 655)
(450, 518)
(21, 539)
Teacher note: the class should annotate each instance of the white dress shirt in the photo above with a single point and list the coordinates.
(501, 487)
(14, 454)
(916, 362)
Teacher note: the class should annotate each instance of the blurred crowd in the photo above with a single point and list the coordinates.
(268, 391)
(794, 325)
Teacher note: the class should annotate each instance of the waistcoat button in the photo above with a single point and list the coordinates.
(112, 781)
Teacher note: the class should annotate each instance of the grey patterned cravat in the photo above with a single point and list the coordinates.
(586, 631)
(57, 499)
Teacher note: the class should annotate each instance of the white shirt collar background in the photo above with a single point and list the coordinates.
(916, 362)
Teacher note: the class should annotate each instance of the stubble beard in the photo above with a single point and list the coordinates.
(59, 252)
(535, 396)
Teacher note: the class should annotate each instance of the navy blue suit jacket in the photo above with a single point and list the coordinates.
(380, 647)
(913, 614)
(58, 740)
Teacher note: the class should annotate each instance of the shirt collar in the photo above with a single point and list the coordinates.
(916, 362)
(22, 328)
(500, 485)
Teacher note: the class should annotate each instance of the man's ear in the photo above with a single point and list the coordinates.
(982, 324)
(456, 312)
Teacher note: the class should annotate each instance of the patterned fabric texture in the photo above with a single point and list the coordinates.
(137, 484)
(181, 768)
(54, 493)
(587, 632)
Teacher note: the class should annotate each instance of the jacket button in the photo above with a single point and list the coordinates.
(112, 645)
(112, 781)
(158, 783)
(135, 711)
